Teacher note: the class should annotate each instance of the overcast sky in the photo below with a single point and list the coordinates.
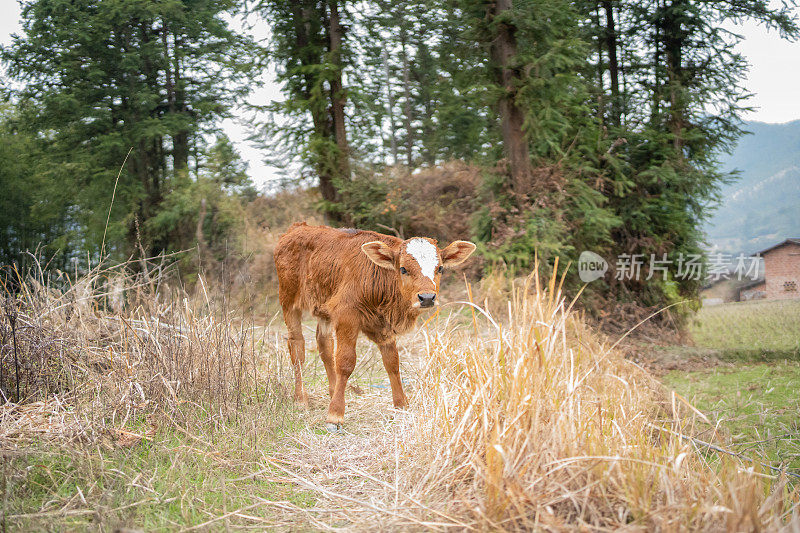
(774, 79)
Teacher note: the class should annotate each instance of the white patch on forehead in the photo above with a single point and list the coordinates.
(425, 254)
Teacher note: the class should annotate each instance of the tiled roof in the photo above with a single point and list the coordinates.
(787, 241)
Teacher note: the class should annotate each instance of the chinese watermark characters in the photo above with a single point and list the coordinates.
(636, 267)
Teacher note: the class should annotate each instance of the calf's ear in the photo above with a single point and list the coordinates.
(379, 253)
(457, 252)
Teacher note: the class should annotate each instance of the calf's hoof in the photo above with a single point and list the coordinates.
(334, 418)
(333, 428)
(401, 403)
(301, 400)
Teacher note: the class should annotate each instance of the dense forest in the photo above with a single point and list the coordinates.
(536, 126)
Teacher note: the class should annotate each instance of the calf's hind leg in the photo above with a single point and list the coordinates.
(325, 347)
(297, 351)
(345, 362)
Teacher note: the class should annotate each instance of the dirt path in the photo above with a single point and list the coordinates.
(357, 475)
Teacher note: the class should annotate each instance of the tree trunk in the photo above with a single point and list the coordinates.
(655, 110)
(613, 62)
(338, 96)
(390, 97)
(302, 15)
(673, 48)
(503, 51)
(170, 86)
(601, 107)
(180, 140)
(422, 77)
(407, 102)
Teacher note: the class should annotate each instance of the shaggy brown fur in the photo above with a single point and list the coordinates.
(353, 281)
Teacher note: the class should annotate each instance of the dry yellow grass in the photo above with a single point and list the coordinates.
(518, 422)
(116, 347)
(541, 425)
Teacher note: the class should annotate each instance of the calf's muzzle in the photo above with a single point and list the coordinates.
(426, 299)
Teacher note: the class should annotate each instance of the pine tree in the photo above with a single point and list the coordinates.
(105, 78)
(309, 47)
(205, 212)
(34, 215)
(670, 86)
(509, 77)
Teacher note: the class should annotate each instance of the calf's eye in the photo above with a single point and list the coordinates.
(440, 269)
(403, 270)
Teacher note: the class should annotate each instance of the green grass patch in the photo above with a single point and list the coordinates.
(750, 331)
(756, 404)
(171, 481)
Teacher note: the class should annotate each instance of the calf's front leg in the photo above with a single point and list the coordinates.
(391, 362)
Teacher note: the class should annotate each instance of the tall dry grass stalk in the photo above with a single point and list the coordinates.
(533, 422)
(113, 347)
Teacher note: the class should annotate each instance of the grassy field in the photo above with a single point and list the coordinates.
(758, 330)
(757, 405)
(752, 394)
(173, 413)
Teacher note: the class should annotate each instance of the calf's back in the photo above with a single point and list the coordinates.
(322, 269)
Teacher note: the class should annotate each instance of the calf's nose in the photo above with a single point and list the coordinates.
(426, 299)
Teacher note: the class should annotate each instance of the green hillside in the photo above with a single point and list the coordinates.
(763, 206)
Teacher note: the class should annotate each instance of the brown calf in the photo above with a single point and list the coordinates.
(356, 281)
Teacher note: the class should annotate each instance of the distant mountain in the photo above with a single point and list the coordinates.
(763, 206)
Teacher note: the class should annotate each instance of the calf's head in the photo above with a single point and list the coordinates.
(418, 265)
